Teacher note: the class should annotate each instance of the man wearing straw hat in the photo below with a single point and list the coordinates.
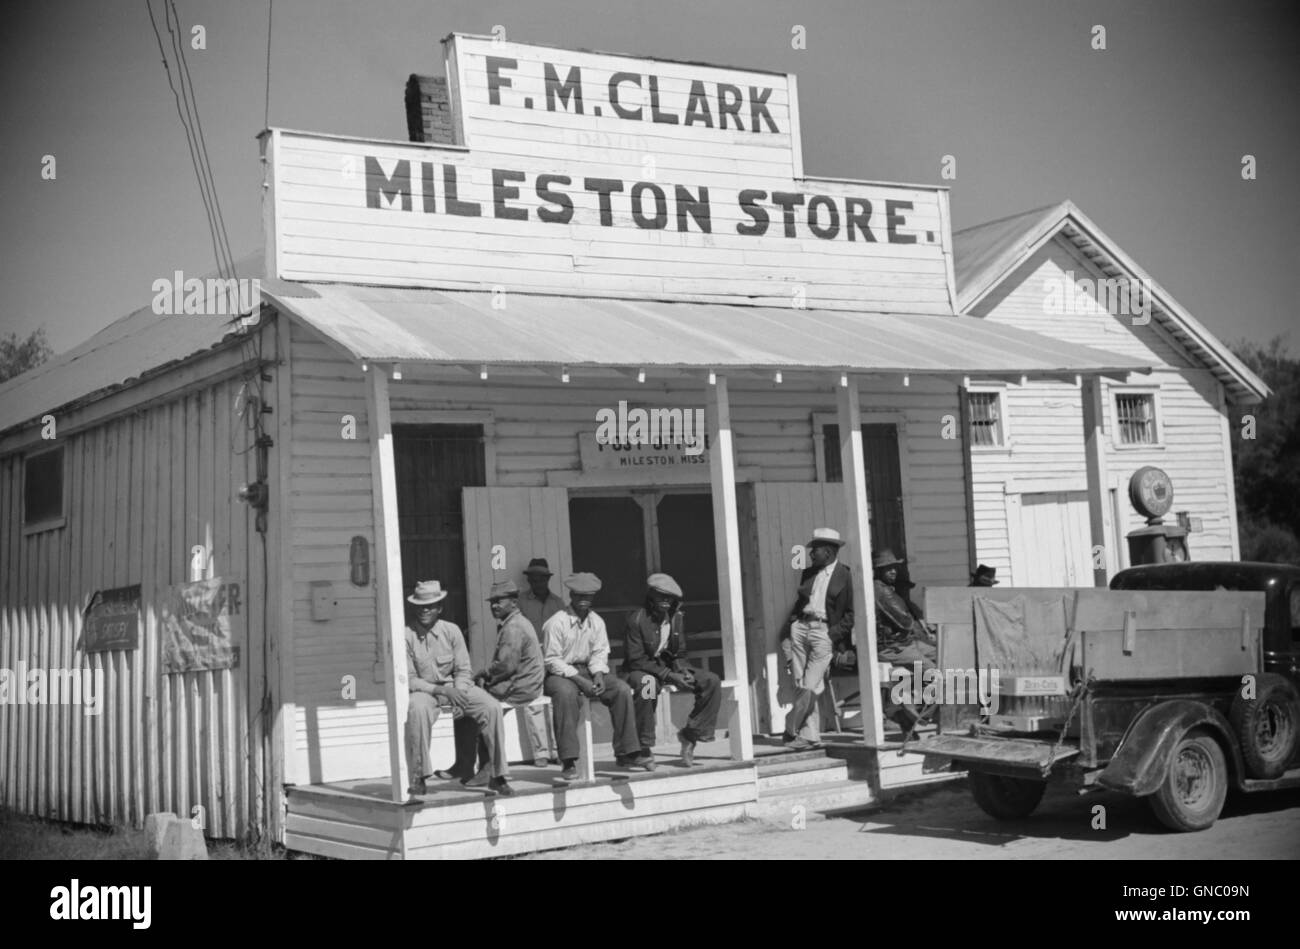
(438, 674)
(821, 625)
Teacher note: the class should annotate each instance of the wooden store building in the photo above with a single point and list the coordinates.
(222, 517)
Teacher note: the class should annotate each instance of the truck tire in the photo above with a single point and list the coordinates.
(1267, 726)
(1195, 785)
(1006, 798)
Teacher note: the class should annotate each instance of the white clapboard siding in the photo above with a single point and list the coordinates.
(141, 489)
(334, 738)
(325, 231)
(1045, 426)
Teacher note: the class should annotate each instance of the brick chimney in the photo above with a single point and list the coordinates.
(428, 110)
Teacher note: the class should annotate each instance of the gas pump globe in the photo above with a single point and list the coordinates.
(1152, 495)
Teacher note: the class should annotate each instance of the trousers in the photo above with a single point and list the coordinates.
(480, 720)
(566, 703)
(810, 659)
(704, 713)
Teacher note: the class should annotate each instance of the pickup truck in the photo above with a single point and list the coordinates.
(1176, 684)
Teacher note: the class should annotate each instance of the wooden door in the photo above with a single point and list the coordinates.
(1054, 535)
(504, 529)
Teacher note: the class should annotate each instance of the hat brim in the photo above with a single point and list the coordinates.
(827, 542)
(538, 572)
(425, 602)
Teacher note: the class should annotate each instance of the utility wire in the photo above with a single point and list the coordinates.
(196, 129)
(212, 230)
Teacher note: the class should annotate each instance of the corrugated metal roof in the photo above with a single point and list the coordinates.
(416, 325)
(136, 345)
(983, 252)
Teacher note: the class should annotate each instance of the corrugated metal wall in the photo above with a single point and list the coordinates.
(142, 490)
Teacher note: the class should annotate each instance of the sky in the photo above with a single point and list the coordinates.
(1146, 136)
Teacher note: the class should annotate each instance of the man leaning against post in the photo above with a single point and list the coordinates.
(821, 629)
(577, 666)
(438, 674)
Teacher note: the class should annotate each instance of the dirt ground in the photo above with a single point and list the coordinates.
(945, 823)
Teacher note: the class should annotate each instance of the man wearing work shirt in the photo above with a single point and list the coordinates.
(438, 672)
(821, 626)
(577, 665)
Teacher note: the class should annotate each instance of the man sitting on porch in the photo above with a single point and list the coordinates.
(902, 637)
(577, 665)
(514, 676)
(821, 629)
(438, 672)
(656, 656)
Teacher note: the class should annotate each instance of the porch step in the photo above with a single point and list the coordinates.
(814, 800)
(800, 774)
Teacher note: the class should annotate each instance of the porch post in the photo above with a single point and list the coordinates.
(388, 574)
(726, 534)
(858, 534)
(1095, 463)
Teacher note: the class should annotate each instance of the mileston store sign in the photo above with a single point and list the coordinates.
(607, 175)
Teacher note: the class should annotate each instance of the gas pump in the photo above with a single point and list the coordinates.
(1151, 493)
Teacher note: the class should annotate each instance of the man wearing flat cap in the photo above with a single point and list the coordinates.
(656, 657)
(902, 637)
(821, 629)
(577, 666)
(538, 603)
(438, 674)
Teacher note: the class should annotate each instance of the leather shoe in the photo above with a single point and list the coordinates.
(541, 762)
(570, 772)
(449, 774)
(417, 788)
(481, 780)
(502, 787)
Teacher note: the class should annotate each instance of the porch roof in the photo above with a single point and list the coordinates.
(456, 327)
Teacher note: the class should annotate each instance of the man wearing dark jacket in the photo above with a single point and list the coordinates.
(820, 630)
(656, 656)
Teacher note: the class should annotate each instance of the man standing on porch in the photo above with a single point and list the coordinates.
(821, 624)
(538, 603)
(577, 665)
(656, 656)
(438, 671)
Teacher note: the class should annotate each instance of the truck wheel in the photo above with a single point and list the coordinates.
(1196, 782)
(1267, 726)
(1006, 798)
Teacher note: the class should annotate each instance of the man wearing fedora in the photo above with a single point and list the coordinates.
(656, 656)
(577, 665)
(821, 627)
(984, 576)
(438, 673)
(901, 634)
(538, 603)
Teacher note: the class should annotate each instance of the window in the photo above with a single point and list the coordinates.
(1135, 418)
(43, 489)
(984, 412)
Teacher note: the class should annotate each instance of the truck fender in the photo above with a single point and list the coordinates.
(1142, 758)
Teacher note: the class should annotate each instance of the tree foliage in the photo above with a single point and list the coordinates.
(1267, 466)
(17, 356)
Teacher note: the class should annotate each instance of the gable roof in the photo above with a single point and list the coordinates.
(135, 347)
(987, 254)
